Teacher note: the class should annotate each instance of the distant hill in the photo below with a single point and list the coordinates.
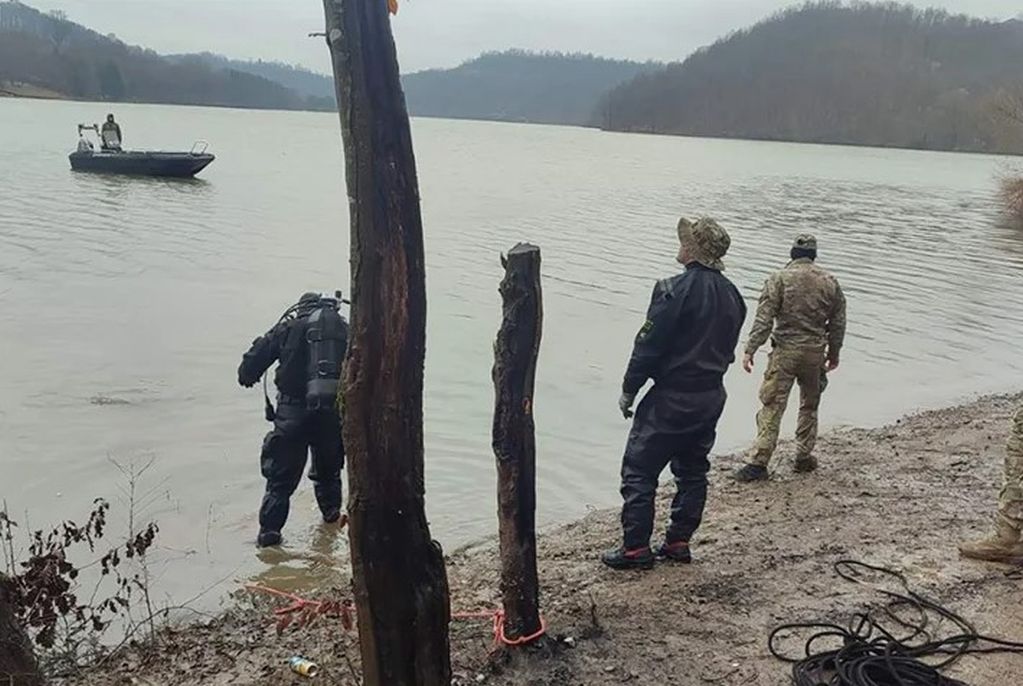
(304, 82)
(881, 74)
(547, 88)
(48, 52)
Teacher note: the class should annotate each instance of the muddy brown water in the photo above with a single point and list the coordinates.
(125, 304)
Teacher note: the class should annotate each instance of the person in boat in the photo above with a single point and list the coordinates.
(309, 343)
(84, 144)
(110, 134)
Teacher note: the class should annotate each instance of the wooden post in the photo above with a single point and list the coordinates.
(515, 355)
(400, 583)
(17, 661)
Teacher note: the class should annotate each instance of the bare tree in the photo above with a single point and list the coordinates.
(400, 582)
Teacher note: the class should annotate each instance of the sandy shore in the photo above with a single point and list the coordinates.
(901, 495)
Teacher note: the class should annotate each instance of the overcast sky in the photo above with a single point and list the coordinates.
(442, 33)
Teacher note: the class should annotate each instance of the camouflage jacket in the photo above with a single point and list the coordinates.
(801, 306)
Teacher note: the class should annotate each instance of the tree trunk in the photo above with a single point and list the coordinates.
(515, 355)
(401, 588)
(17, 661)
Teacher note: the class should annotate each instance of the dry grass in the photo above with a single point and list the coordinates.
(1012, 196)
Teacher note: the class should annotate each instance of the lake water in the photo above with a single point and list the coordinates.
(125, 304)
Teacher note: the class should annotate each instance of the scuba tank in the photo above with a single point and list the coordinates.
(327, 336)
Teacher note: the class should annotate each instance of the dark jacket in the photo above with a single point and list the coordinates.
(285, 343)
(690, 335)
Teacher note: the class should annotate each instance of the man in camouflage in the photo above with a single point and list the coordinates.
(685, 347)
(1006, 543)
(802, 311)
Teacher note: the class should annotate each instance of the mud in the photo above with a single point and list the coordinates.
(901, 496)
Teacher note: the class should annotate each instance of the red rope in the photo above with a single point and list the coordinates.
(298, 603)
(496, 616)
(500, 638)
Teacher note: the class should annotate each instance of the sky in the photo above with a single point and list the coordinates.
(444, 33)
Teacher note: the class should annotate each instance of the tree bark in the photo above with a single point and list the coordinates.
(400, 583)
(514, 440)
(17, 661)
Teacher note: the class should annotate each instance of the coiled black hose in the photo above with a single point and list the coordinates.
(887, 646)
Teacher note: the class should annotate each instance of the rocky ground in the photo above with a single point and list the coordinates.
(900, 496)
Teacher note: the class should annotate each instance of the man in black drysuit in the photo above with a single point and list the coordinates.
(685, 347)
(297, 428)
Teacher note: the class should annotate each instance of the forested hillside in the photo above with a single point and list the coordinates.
(302, 81)
(881, 74)
(549, 88)
(50, 52)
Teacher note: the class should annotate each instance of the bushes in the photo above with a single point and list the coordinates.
(1012, 197)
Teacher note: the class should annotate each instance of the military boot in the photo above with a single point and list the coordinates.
(805, 464)
(752, 472)
(1004, 545)
(675, 552)
(621, 558)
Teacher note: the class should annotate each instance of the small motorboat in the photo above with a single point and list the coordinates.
(138, 163)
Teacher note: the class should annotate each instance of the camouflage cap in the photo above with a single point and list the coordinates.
(805, 241)
(707, 241)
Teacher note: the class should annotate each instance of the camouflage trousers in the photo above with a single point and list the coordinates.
(1010, 500)
(785, 367)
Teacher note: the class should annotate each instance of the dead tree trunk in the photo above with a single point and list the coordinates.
(515, 355)
(401, 588)
(17, 661)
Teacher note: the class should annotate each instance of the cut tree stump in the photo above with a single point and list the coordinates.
(400, 582)
(514, 441)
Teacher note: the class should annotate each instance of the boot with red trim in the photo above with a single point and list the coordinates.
(675, 552)
(621, 558)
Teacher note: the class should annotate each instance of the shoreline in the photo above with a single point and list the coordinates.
(35, 93)
(901, 495)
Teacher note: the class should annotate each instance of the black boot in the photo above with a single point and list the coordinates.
(268, 539)
(751, 472)
(620, 558)
(675, 552)
(331, 516)
(805, 464)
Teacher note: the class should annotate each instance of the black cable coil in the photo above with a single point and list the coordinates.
(887, 646)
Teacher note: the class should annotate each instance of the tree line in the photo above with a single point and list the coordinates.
(827, 72)
(49, 51)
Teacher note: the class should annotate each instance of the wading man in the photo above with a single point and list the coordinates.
(1006, 543)
(802, 311)
(309, 344)
(685, 347)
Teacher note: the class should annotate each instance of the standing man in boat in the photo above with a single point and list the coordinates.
(802, 311)
(685, 347)
(110, 134)
(309, 344)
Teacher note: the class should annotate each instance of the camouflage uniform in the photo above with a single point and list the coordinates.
(1006, 544)
(802, 311)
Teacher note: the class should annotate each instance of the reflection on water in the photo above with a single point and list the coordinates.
(126, 303)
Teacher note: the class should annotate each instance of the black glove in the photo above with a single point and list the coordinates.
(625, 404)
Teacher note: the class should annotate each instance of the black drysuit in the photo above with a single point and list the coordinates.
(297, 430)
(685, 347)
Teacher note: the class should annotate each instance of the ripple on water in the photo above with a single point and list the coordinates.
(117, 284)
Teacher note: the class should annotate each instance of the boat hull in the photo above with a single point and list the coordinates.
(173, 164)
